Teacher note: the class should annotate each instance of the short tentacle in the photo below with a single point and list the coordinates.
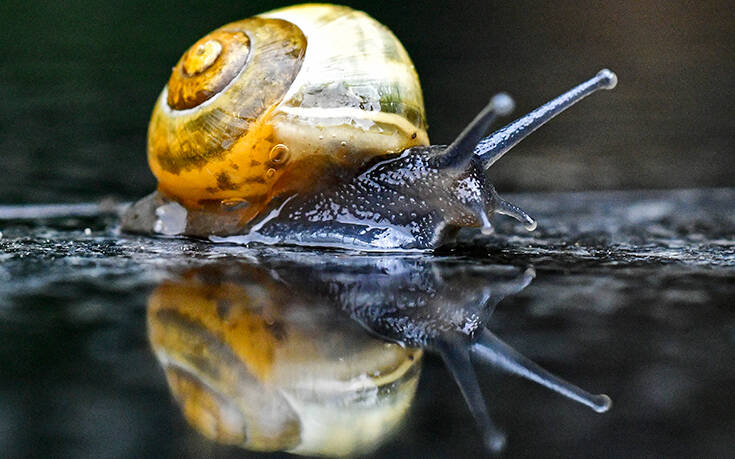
(493, 147)
(499, 291)
(505, 208)
(491, 349)
(459, 152)
(516, 285)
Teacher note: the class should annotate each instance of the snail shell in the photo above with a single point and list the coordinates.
(288, 100)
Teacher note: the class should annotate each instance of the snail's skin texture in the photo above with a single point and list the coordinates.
(404, 203)
(271, 131)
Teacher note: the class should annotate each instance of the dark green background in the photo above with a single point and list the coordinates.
(78, 80)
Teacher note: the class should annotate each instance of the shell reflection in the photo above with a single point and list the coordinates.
(321, 354)
(253, 363)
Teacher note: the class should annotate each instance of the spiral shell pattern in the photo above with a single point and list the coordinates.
(291, 100)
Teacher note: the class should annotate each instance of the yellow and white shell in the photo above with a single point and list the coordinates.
(289, 100)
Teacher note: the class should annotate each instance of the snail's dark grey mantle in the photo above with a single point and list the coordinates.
(690, 227)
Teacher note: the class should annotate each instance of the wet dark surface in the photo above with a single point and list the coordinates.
(632, 298)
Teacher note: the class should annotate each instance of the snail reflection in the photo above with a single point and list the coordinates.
(317, 355)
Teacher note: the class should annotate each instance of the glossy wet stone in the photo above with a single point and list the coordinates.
(632, 297)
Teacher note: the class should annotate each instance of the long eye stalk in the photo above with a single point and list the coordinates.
(493, 147)
(492, 350)
(459, 152)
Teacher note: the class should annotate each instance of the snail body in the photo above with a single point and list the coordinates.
(306, 125)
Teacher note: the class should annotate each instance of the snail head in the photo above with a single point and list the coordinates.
(433, 191)
(472, 152)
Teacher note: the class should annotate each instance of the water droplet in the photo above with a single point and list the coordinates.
(279, 154)
(270, 173)
(171, 219)
(234, 203)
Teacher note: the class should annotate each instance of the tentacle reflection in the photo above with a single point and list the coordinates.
(273, 354)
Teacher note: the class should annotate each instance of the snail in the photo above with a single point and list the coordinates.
(306, 126)
(273, 354)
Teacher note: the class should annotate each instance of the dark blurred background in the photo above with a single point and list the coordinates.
(78, 80)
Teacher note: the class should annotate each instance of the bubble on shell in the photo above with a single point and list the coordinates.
(279, 154)
(234, 203)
